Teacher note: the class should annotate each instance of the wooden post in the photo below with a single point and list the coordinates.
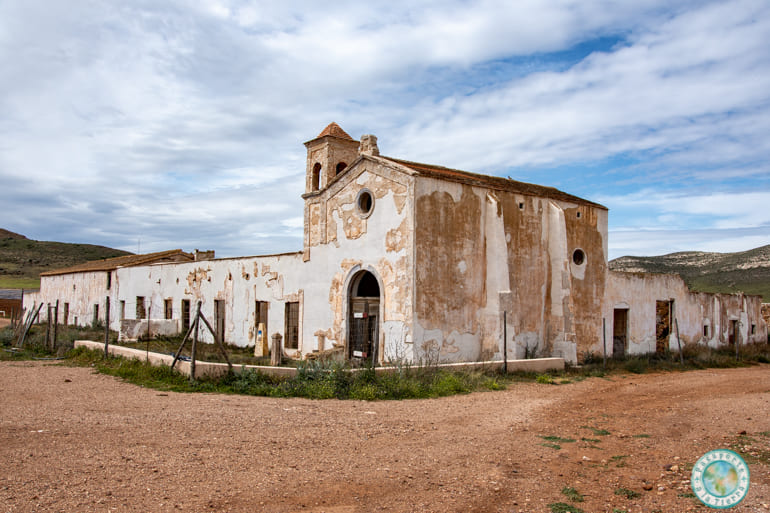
(181, 346)
(276, 351)
(217, 340)
(48, 328)
(106, 326)
(28, 325)
(194, 343)
(604, 343)
(56, 325)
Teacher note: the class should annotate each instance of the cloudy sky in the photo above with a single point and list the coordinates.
(147, 125)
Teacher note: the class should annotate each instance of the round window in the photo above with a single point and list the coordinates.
(365, 202)
(578, 257)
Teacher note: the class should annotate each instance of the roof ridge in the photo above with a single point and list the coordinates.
(490, 181)
(109, 264)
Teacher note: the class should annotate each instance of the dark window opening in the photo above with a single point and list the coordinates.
(109, 280)
(521, 206)
(368, 286)
(705, 330)
(66, 314)
(663, 311)
(619, 332)
(122, 310)
(260, 316)
(168, 308)
(96, 315)
(316, 177)
(578, 215)
(340, 167)
(219, 319)
(365, 202)
(578, 257)
(753, 329)
(185, 315)
(140, 313)
(292, 326)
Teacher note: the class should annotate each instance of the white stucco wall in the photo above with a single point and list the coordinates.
(638, 292)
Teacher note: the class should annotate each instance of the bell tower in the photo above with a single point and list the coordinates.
(327, 156)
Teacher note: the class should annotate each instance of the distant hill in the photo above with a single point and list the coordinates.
(22, 260)
(746, 271)
(5, 234)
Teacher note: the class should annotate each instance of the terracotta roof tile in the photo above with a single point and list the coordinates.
(334, 130)
(492, 182)
(110, 264)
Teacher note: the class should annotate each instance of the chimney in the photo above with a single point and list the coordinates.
(204, 255)
(368, 145)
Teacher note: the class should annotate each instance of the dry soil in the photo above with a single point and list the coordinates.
(72, 440)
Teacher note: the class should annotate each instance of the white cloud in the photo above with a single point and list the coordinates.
(155, 117)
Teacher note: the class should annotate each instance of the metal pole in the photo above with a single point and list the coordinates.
(194, 343)
(505, 341)
(56, 324)
(604, 342)
(48, 328)
(106, 326)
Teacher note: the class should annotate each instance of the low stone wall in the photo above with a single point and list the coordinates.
(132, 329)
(211, 369)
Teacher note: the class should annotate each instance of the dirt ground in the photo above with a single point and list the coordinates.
(72, 440)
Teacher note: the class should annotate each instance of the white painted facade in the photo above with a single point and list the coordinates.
(446, 254)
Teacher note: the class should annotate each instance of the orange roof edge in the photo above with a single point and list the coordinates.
(110, 264)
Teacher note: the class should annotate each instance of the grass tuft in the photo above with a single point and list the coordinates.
(572, 494)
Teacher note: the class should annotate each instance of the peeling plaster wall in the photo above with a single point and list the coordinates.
(81, 290)
(348, 241)
(341, 242)
(638, 292)
(480, 252)
(239, 282)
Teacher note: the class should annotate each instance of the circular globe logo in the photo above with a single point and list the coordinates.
(720, 479)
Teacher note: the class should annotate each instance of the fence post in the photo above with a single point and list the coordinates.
(56, 325)
(106, 325)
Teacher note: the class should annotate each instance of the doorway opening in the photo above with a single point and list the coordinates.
(364, 317)
(662, 325)
(619, 332)
(732, 332)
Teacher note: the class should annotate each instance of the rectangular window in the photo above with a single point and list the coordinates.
(219, 318)
(122, 310)
(705, 330)
(168, 308)
(753, 329)
(185, 315)
(66, 314)
(140, 312)
(292, 326)
(109, 280)
(96, 315)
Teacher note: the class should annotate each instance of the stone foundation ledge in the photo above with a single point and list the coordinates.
(212, 369)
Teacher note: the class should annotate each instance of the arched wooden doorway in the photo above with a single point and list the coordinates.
(364, 317)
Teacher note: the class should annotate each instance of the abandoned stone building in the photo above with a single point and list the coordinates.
(403, 260)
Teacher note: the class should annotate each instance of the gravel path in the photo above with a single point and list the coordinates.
(73, 440)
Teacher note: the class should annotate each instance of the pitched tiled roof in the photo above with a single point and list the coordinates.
(491, 182)
(110, 264)
(334, 130)
(10, 293)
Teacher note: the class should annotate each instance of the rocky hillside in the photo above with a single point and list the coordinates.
(22, 260)
(746, 271)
